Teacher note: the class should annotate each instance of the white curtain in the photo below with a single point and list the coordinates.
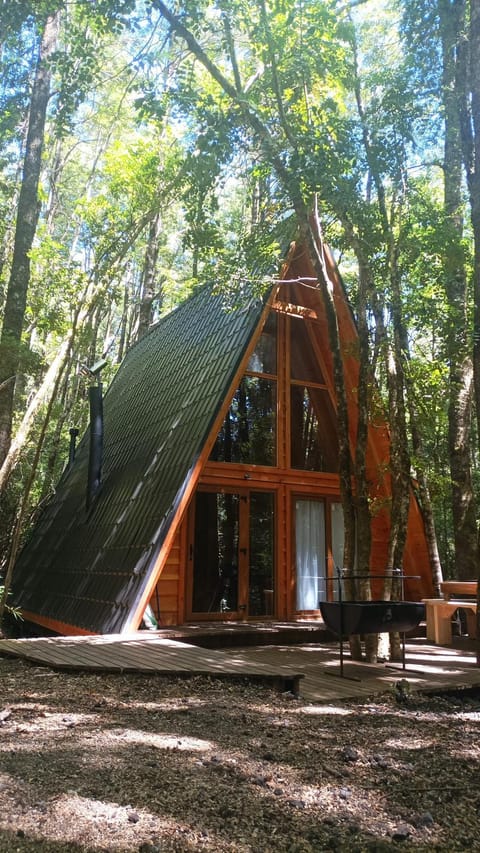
(310, 554)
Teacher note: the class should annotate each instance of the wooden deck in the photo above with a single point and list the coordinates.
(146, 652)
(311, 669)
(429, 668)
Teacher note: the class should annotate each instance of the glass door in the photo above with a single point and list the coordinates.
(261, 592)
(216, 553)
(233, 554)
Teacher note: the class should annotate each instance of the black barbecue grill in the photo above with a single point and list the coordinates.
(346, 618)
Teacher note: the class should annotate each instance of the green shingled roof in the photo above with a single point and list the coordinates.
(89, 570)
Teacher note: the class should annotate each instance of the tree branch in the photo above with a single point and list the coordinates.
(276, 83)
(250, 116)
(231, 49)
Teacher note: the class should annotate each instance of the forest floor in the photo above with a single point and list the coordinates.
(141, 763)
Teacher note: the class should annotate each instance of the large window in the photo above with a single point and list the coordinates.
(216, 556)
(304, 365)
(314, 443)
(264, 357)
(249, 431)
(261, 554)
(313, 427)
(314, 539)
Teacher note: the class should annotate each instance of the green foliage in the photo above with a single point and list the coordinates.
(139, 131)
(78, 63)
(14, 612)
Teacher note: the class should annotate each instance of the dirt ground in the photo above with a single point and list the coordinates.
(141, 763)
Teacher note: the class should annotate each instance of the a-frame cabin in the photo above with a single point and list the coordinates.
(220, 494)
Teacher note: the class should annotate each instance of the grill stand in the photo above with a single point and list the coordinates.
(398, 575)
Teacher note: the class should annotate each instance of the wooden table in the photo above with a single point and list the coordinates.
(449, 588)
(439, 611)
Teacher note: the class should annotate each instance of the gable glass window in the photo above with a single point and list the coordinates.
(249, 431)
(314, 443)
(313, 423)
(303, 364)
(264, 357)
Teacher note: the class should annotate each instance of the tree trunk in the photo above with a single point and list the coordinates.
(44, 393)
(468, 74)
(365, 384)
(475, 213)
(345, 468)
(149, 277)
(22, 510)
(26, 223)
(399, 456)
(424, 499)
(400, 469)
(125, 323)
(464, 513)
(52, 464)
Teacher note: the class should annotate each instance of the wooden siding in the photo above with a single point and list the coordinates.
(416, 559)
(167, 600)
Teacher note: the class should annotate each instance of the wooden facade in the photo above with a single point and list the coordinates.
(297, 307)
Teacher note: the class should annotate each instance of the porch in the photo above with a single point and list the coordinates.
(299, 658)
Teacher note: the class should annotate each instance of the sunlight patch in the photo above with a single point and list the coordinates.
(45, 724)
(409, 743)
(83, 818)
(325, 710)
(164, 741)
(474, 716)
(169, 705)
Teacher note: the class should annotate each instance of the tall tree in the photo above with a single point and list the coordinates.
(452, 25)
(28, 212)
(469, 73)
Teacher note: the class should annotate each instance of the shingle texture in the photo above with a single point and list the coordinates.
(89, 570)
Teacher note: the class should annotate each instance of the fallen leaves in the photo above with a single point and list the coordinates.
(139, 763)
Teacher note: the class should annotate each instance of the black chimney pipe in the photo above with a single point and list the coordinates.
(73, 445)
(96, 442)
